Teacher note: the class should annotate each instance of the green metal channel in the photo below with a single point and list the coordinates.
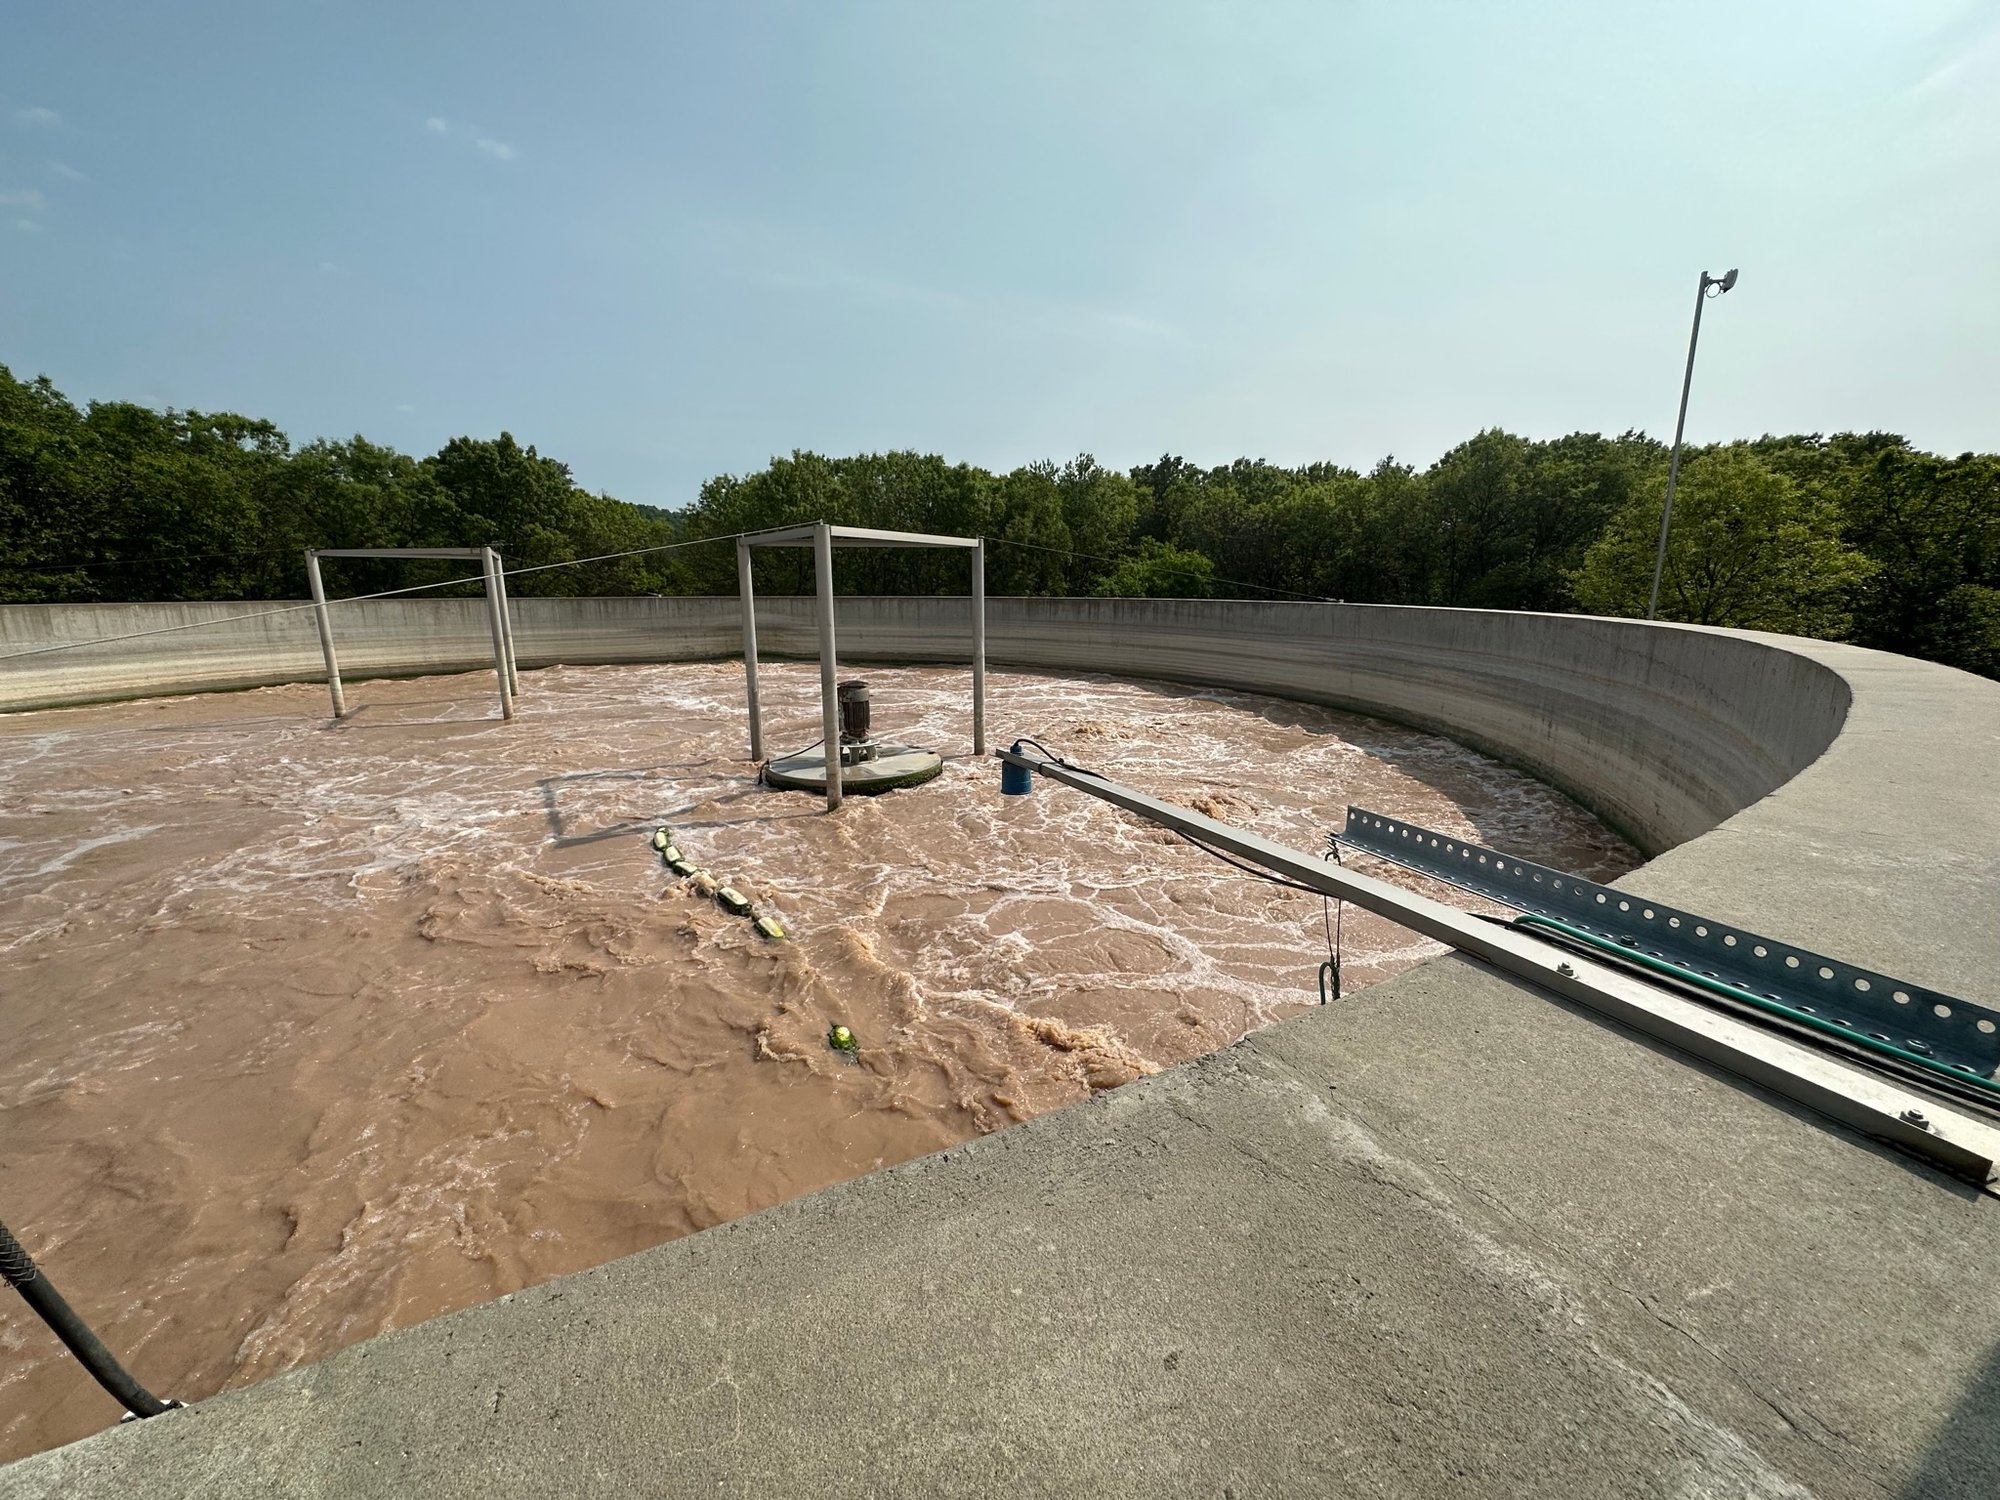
(1745, 996)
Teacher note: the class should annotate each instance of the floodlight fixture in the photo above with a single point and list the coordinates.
(1707, 286)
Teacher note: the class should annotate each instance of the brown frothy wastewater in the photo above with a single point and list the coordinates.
(308, 1031)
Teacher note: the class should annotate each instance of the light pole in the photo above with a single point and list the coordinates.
(1710, 286)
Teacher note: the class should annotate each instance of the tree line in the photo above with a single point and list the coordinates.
(121, 502)
(1855, 537)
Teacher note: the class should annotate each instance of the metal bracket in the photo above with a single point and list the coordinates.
(1860, 1098)
(1955, 1032)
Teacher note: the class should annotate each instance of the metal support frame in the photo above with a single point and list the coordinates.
(1955, 1032)
(325, 624)
(1864, 1101)
(747, 593)
(499, 617)
(829, 697)
(823, 537)
(498, 581)
(496, 621)
(979, 648)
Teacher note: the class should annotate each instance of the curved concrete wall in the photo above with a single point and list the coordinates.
(1663, 730)
(1445, 1236)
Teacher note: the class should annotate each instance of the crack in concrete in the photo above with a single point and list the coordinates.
(1720, 1455)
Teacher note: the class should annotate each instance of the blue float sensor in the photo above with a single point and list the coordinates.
(1015, 780)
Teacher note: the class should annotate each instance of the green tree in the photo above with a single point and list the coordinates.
(1856, 534)
(1160, 571)
(1031, 517)
(1931, 526)
(52, 516)
(1748, 548)
(1099, 510)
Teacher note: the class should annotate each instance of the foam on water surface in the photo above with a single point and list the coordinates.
(310, 1030)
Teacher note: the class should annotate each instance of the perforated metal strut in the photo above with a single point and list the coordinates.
(1955, 1033)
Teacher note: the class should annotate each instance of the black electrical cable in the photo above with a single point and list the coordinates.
(1333, 937)
(80, 566)
(1247, 869)
(19, 1270)
(349, 599)
(1336, 946)
(1226, 858)
(1066, 764)
(795, 754)
(1239, 583)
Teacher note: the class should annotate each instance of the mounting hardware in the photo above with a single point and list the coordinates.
(1917, 1118)
(1863, 1100)
(1962, 1036)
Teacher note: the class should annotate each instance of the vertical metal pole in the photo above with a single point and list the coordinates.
(325, 623)
(1674, 463)
(747, 595)
(829, 707)
(499, 637)
(979, 647)
(506, 620)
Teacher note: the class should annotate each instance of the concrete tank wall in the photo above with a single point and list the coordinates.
(1665, 731)
(1446, 1236)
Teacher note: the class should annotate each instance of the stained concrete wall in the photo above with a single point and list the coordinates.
(1664, 731)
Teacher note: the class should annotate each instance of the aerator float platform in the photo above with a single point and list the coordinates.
(891, 767)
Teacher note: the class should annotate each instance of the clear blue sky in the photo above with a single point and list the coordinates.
(664, 241)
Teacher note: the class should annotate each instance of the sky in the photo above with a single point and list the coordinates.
(666, 241)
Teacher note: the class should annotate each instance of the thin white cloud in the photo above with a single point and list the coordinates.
(332, 267)
(1960, 71)
(27, 226)
(28, 198)
(1953, 118)
(1940, 80)
(1130, 322)
(404, 406)
(65, 171)
(1017, 311)
(35, 114)
(498, 149)
(826, 277)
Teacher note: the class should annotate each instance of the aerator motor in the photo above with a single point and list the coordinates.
(855, 746)
(867, 765)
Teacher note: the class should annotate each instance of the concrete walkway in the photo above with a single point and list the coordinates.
(1449, 1238)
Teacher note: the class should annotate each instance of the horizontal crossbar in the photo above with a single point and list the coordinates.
(472, 552)
(854, 536)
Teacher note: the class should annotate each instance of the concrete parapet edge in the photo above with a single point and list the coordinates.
(1662, 730)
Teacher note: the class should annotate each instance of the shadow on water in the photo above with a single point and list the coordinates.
(564, 835)
(453, 726)
(1963, 1458)
(366, 707)
(262, 724)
